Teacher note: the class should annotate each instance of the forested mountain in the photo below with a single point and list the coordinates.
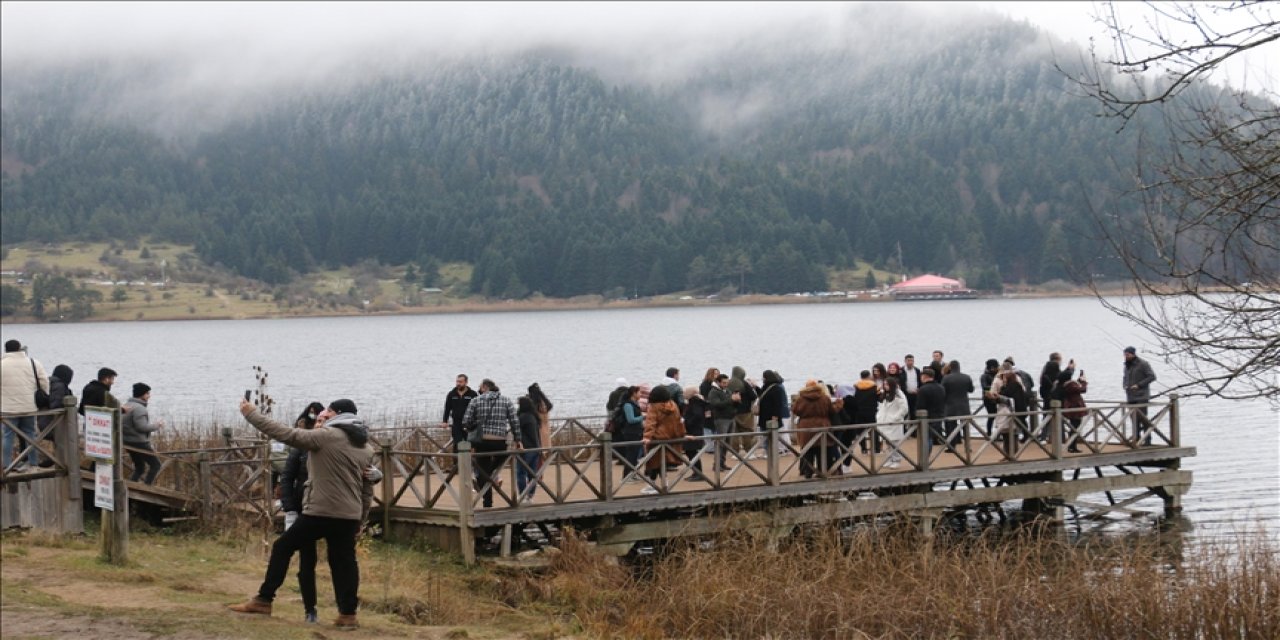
(958, 147)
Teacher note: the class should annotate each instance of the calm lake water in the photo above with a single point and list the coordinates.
(400, 366)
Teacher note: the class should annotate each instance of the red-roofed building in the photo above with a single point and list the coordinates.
(931, 287)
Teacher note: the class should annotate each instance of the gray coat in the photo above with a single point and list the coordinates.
(135, 426)
(1137, 372)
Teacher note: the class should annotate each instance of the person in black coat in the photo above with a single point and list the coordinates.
(957, 386)
(455, 406)
(988, 400)
(59, 388)
(98, 392)
(773, 400)
(932, 399)
(860, 408)
(697, 424)
(293, 486)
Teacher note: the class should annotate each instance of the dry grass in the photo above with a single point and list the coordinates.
(895, 584)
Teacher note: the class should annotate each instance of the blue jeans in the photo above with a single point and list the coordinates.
(524, 477)
(27, 425)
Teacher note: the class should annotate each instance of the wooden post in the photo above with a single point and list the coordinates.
(388, 489)
(269, 493)
(923, 448)
(1034, 424)
(771, 440)
(66, 444)
(606, 465)
(1175, 427)
(1055, 429)
(114, 534)
(205, 471)
(466, 502)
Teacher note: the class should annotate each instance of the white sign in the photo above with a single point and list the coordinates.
(97, 435)
(103, 490)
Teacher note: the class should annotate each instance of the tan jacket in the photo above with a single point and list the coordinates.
(335, 467)
(17, 385)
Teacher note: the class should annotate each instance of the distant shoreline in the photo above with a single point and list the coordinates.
(591, 303)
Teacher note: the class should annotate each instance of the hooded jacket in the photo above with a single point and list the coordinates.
(738, 384)
(813, 408)
(773, 400)
(338, 454)
(59, 388)
(661, 423)
(860, 408)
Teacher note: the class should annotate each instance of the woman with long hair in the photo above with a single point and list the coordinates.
(542, 406)
(708, 380)
(530, 459)
(889, 417)
(293, 482)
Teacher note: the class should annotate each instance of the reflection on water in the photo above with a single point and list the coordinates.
(400, 367)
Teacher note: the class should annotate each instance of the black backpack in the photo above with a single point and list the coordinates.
(617, 419)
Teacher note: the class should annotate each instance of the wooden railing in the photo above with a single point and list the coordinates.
(591, 465)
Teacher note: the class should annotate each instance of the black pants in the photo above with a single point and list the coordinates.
(487, 466)
(340, 538)
(628, 445)
(144, 462)
(458, 434)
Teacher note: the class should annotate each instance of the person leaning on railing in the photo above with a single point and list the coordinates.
(20, 378)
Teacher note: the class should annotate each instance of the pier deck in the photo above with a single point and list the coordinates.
(586, 483)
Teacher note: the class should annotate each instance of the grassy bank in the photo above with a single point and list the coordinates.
(141, 280)
(882, 584)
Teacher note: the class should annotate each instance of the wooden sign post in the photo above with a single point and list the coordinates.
(111, 495)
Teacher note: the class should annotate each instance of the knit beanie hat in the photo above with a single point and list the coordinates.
(343, 406)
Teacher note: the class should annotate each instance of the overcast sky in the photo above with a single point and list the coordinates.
(262, 30)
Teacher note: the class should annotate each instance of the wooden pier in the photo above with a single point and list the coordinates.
(586, 484)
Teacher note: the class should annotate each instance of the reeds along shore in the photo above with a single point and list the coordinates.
(893, 584)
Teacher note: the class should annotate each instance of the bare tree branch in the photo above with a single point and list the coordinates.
(1203, 250)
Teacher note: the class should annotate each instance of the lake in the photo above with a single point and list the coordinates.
(402, 366)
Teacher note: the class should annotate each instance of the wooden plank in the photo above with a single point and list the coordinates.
(832, 511)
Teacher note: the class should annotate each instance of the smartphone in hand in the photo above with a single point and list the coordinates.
(247, 393)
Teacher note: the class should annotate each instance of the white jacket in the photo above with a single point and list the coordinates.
(17, 385)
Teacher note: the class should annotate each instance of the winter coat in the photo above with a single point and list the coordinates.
(773, 403)
(721, 401)
(813, 408)
(96, 394)
(1138, 372)
(1073, 398)
(59, 388)
(530, 429)
(860, 408)
(135, 424)
(957, 386)
(891, 412)
(695, 420)
(747, 393)
(455, 405)
(293, 480)
(18, 383)
(662, 422)
(338, 454)
(932, 398)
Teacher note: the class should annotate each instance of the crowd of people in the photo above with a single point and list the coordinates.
(326, 483)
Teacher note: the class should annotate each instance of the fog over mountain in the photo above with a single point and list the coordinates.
(587, 149)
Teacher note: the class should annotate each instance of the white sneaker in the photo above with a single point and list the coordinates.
(21, 467)
(649, 490)
(893, 464)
